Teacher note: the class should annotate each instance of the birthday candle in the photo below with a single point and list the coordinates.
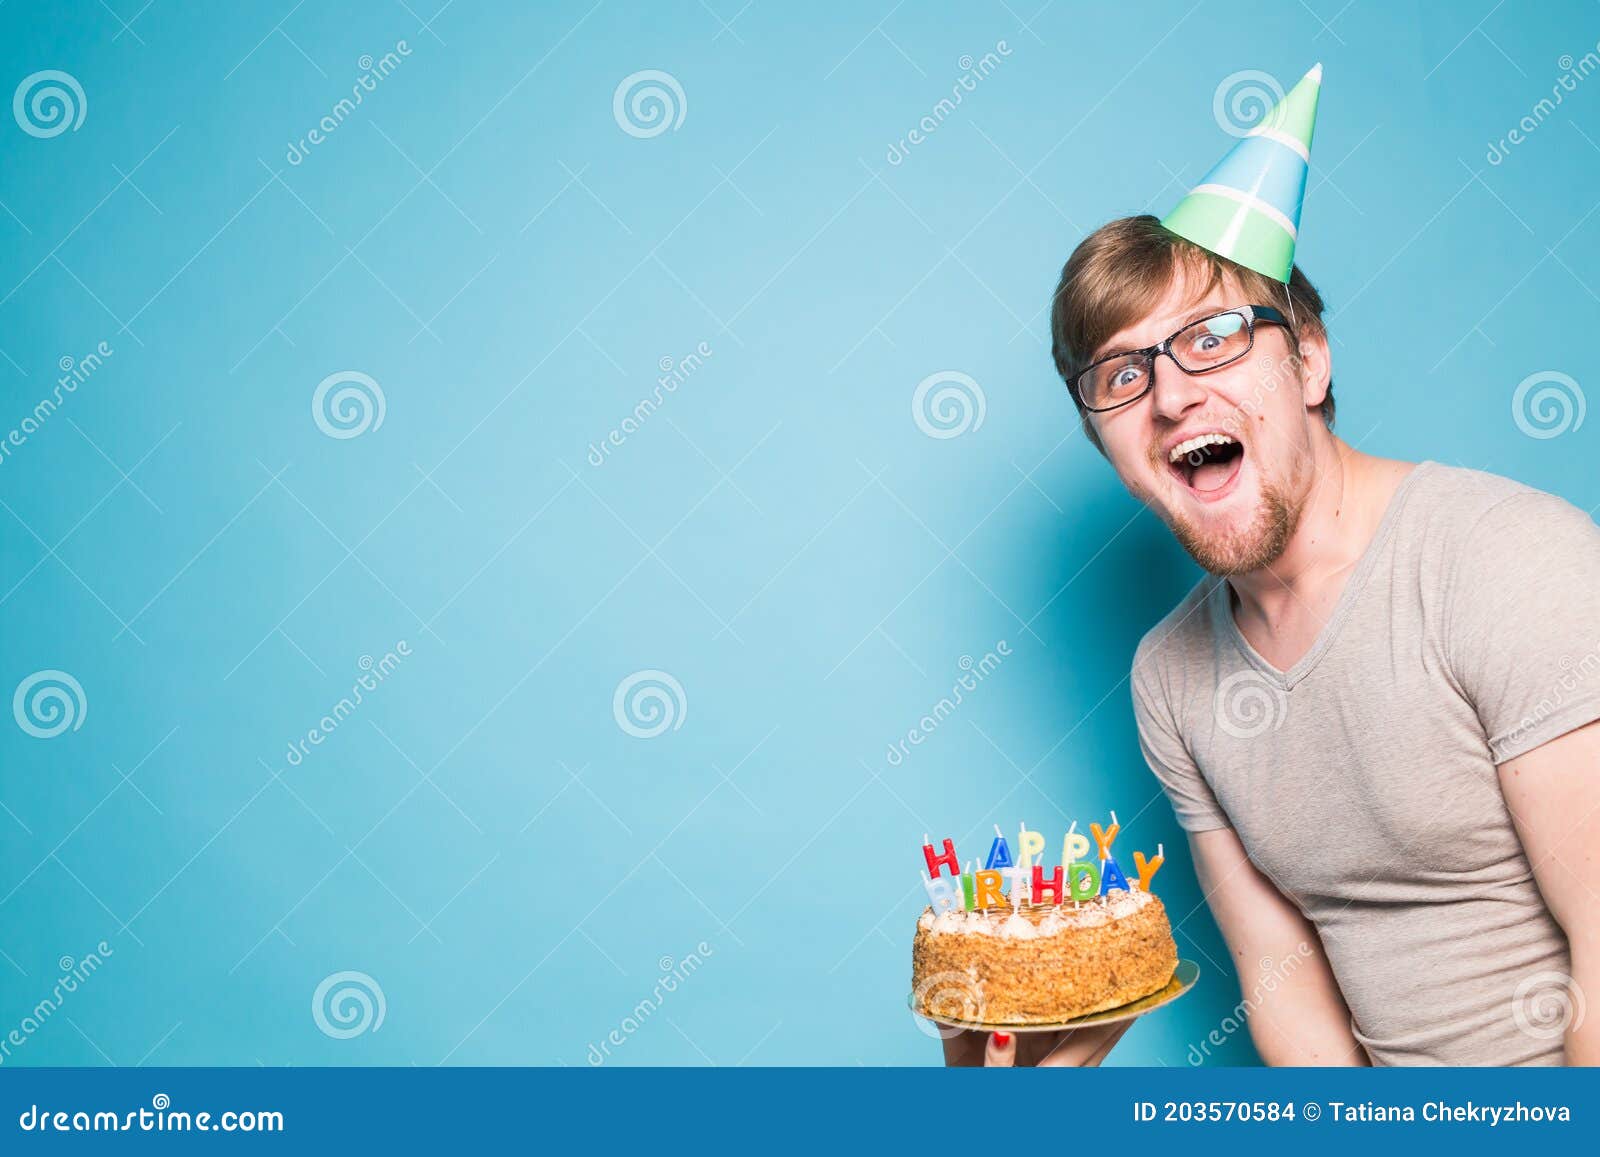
(986, 889)
(967, 887)
(1075, 846)
(1083, 880)
(943, 894)
(999, 851)
(1147, 868)
(1041, 885)
(946, 859)
(1031, 844)
(1018, 876)
(1111, 876)
(1104, 837)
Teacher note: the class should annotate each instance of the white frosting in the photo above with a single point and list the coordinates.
(1114, 905)
(976, 924)
(1018, 927)
(1125, 903)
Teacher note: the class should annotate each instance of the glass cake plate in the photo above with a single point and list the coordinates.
(1183, 978)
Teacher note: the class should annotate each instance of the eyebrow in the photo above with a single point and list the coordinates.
(1189, 318)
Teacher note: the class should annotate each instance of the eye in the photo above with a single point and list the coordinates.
(1213, 339)
(1126, 378)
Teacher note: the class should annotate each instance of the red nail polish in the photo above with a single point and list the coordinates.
(1002, 1039)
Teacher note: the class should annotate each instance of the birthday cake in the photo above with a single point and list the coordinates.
(1080, 940)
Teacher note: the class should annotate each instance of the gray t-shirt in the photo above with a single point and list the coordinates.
(1362, 781)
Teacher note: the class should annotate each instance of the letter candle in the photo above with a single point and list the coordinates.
(946, 859)
(1075, 846)
(1083, 881)
(1018, 875)
(999, 851)
(1147, 868)
(1104, 838)
(1111, 876)
(944, 895)
(1110, 871)
(986, 888)
(1031, 843)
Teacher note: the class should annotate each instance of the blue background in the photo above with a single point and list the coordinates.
(483, 239)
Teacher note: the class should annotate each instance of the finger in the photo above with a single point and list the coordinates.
(1084, 1046)
(1001, 1051)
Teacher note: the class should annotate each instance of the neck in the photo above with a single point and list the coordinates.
(1341, 513)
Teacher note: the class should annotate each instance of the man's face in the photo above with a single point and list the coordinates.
(1234, 498)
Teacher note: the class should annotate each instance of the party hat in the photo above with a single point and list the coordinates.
(1247, 208)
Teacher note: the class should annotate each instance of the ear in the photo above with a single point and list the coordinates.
(1316, 367)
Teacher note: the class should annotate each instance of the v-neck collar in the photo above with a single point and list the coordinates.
(1222, 598)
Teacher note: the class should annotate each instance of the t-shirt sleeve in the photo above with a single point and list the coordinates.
(1523, 622)
(1164, 750)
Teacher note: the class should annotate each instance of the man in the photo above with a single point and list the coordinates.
(1376, 717)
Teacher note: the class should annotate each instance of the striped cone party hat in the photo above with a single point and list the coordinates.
(1247, 208)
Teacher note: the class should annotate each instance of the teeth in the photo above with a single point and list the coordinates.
(1198, 442)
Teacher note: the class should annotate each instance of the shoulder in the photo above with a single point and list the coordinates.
(1184, 633)
(1455, 498)
(1455, 513)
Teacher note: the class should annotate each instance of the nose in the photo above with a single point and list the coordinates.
(1174, 393)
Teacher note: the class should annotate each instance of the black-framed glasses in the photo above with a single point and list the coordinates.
(1198, 348)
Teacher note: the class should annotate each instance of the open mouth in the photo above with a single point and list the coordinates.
(1206, 463)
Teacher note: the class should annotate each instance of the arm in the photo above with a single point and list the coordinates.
(1300, 1018)
(1553, 792)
